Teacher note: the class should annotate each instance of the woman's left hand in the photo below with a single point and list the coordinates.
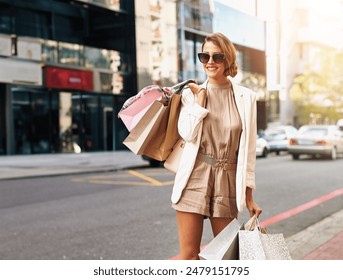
(253, 208)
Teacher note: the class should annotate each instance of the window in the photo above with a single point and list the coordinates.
(49, 51)
(69, 54)
(5, 20)
(32, 23)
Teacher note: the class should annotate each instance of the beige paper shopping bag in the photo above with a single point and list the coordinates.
(166, 135)
(142, 133)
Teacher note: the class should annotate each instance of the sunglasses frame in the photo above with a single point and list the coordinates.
(214, 56)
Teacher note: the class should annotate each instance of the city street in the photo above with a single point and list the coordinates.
(127, 214)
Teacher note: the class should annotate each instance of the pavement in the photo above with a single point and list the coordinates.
(320, 241)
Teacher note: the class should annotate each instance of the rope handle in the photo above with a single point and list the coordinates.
(254, 223)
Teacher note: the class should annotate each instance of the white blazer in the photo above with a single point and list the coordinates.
(190, 128)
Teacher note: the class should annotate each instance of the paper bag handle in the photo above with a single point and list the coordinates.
(179, 87)
(254, 223)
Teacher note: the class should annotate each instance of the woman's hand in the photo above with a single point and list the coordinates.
(252, 206)
(194, 87)
(199, 93)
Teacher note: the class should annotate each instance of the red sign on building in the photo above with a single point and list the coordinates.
(68, 78)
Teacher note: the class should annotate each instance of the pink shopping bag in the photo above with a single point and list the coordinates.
(135, 107)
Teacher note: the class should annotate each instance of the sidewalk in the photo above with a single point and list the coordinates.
(321, 241)
(26, 166)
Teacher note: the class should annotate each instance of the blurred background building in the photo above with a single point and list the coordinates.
(307, 30)
(67, 66)
(65, 69)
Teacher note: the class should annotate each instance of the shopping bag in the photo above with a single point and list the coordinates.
(156, 133)
(135, 107)
(173, 161)
(256, 245)
(141, 134)
(250, 245)
(166, 135)
(225, 245)
(275, 246)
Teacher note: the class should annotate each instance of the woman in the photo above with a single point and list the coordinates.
(216, 176)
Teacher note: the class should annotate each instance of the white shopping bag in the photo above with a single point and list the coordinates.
(224, 246)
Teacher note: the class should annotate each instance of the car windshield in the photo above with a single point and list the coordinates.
(275, 135)
(314, 131)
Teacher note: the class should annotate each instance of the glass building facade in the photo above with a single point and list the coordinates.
(66, 67)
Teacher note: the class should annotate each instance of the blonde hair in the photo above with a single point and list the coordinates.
(228, 49)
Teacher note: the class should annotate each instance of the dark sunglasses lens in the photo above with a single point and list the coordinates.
(204, 57)
(218, 57)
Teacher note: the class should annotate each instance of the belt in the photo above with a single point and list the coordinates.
(222, 163)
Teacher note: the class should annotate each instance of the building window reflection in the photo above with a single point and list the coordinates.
(110, 67)
(117, 83)
(97, 58)
(49, 51)
(69, 54)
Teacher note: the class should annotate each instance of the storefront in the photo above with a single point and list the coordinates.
(62, 84)
(65, 116)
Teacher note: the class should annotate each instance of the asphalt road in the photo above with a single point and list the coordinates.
(127, 214)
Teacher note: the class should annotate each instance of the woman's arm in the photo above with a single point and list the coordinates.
(252, 206)
(191, 115)
(252, 134)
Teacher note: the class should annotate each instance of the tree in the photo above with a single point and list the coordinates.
(317, 93)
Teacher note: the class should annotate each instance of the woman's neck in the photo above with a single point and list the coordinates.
(220, 81)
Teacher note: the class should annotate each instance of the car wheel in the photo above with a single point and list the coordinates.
(295, 157)
(333, 153)
(265, 152)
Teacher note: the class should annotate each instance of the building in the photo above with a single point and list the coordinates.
(156, 42)
(66, 67)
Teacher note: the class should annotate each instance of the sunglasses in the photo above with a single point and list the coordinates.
(205, 57)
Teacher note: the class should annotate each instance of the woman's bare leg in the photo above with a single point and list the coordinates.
(190, 228)
(218, 224)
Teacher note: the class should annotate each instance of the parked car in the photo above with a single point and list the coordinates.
(279, 137)
(262, 147)
(340, 124)
(322, 140)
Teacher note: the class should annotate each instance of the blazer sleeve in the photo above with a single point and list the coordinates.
(251, 161)
(191, 116)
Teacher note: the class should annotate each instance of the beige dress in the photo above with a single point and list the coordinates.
(211, 188)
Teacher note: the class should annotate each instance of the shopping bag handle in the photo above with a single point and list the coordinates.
(253, 224)
(179, 87)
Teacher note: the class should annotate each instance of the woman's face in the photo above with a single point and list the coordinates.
(214, 71)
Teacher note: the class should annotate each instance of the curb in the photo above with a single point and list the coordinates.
(56, 173)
